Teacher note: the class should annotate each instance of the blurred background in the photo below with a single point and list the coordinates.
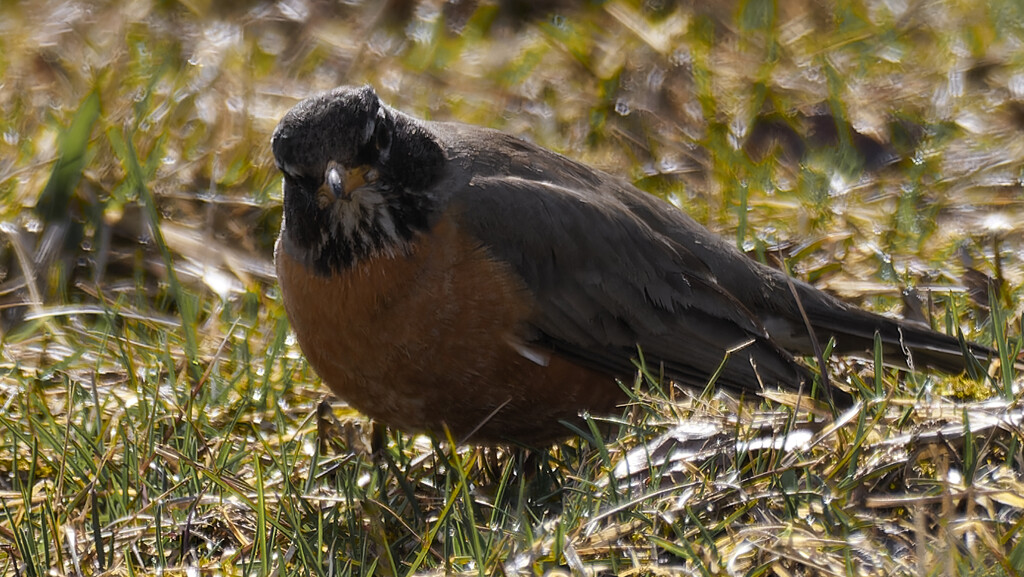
(874, 145)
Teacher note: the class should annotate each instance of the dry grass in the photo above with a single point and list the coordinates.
(157, 417)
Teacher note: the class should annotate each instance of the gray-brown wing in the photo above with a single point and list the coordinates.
(606, 282)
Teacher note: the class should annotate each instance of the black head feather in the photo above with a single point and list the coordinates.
(350, 127)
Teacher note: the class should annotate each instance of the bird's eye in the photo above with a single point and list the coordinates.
(287, 170)
(382, 135)
(296, 179)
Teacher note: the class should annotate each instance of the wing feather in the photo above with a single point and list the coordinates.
(605, 282)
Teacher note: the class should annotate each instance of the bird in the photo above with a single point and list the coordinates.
(440, 275)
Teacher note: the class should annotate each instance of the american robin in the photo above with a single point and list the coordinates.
(437, 273)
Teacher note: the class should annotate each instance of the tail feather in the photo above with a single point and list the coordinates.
(905, 344)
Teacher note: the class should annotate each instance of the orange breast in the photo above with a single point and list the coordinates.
(433, 338)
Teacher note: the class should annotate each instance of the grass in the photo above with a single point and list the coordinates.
(158, 418)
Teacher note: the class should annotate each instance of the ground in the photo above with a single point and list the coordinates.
(158, 417)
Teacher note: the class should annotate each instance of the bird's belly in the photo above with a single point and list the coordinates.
(433, 338)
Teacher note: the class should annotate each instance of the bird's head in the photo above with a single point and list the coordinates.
(357, 178)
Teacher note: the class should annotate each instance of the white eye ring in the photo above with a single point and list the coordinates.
(287, 169)
(371, 127)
